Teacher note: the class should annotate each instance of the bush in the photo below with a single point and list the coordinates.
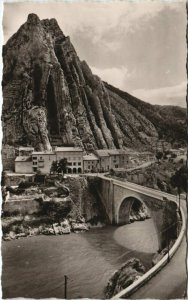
(25, 184)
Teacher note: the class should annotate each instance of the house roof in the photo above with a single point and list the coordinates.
(90, 157)
(113, 152)
(23, 158)
(102, 153)
(108, 152)
(26, 149)
(68, 149)
(43, 153)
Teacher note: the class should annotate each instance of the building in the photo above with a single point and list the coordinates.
(119, 158)
(104, 160)
(90, 163)
(124, 159)
(74, 158)
(112, 159)
(25, 151)
(101, 161)
(146, 156)
(23, 165)
(42, 161)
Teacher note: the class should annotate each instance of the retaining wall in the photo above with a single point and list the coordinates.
(154, 270)
(24, 206)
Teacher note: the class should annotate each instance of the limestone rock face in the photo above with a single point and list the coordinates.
(51, 98)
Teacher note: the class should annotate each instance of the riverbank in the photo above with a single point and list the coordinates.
(28, 226)
(58, 206)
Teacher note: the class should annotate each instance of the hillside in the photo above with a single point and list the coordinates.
(51, 98)
(169, 121)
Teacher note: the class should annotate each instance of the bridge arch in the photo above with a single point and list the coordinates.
(126, 206)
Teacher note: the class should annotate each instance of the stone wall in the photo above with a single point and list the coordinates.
(23, 207)
(12, 179)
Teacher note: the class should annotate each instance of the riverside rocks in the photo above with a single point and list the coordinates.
(139, 215)
(64, 227)
(130, 271)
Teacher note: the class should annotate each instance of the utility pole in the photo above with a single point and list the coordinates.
(65, 291)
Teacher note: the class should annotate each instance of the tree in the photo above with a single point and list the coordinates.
(63, 165)
(179, 180)
(59, 166)
(159, 155)
(53, 168)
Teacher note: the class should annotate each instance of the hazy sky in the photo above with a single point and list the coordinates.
(139, 47)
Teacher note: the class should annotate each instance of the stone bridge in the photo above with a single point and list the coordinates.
(118, 197)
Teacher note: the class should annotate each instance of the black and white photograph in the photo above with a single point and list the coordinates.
(94, 149)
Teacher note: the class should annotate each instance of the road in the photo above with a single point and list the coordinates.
(170, 282)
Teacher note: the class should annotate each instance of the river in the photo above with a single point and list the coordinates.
(35, 267)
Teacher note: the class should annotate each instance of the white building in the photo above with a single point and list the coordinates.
(90, 163)
(23, 165)
(74, 158)
(42, 161)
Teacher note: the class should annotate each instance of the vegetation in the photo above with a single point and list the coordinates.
(159, 155)
(170, 121)
(59, 166)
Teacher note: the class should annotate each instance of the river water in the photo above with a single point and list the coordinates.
(35, 267)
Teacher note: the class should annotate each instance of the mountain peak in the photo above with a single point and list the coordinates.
(33, 19)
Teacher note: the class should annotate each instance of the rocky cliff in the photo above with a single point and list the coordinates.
(51, 98)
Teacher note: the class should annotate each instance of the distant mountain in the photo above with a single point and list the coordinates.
(169, 121)
(51, 98)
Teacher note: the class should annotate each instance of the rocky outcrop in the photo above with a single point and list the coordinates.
(50, 96)
(130, 271)
(140, 214)
(64, 227)
(64, 205)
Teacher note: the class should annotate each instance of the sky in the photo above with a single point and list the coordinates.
(137, 46)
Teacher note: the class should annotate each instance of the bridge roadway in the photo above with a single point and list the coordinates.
(170, 282)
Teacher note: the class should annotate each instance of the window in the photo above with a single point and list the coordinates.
(116, 166)
(35, 163)
(69, 164)
(34, 157)
(74, 164)
(79, 163)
